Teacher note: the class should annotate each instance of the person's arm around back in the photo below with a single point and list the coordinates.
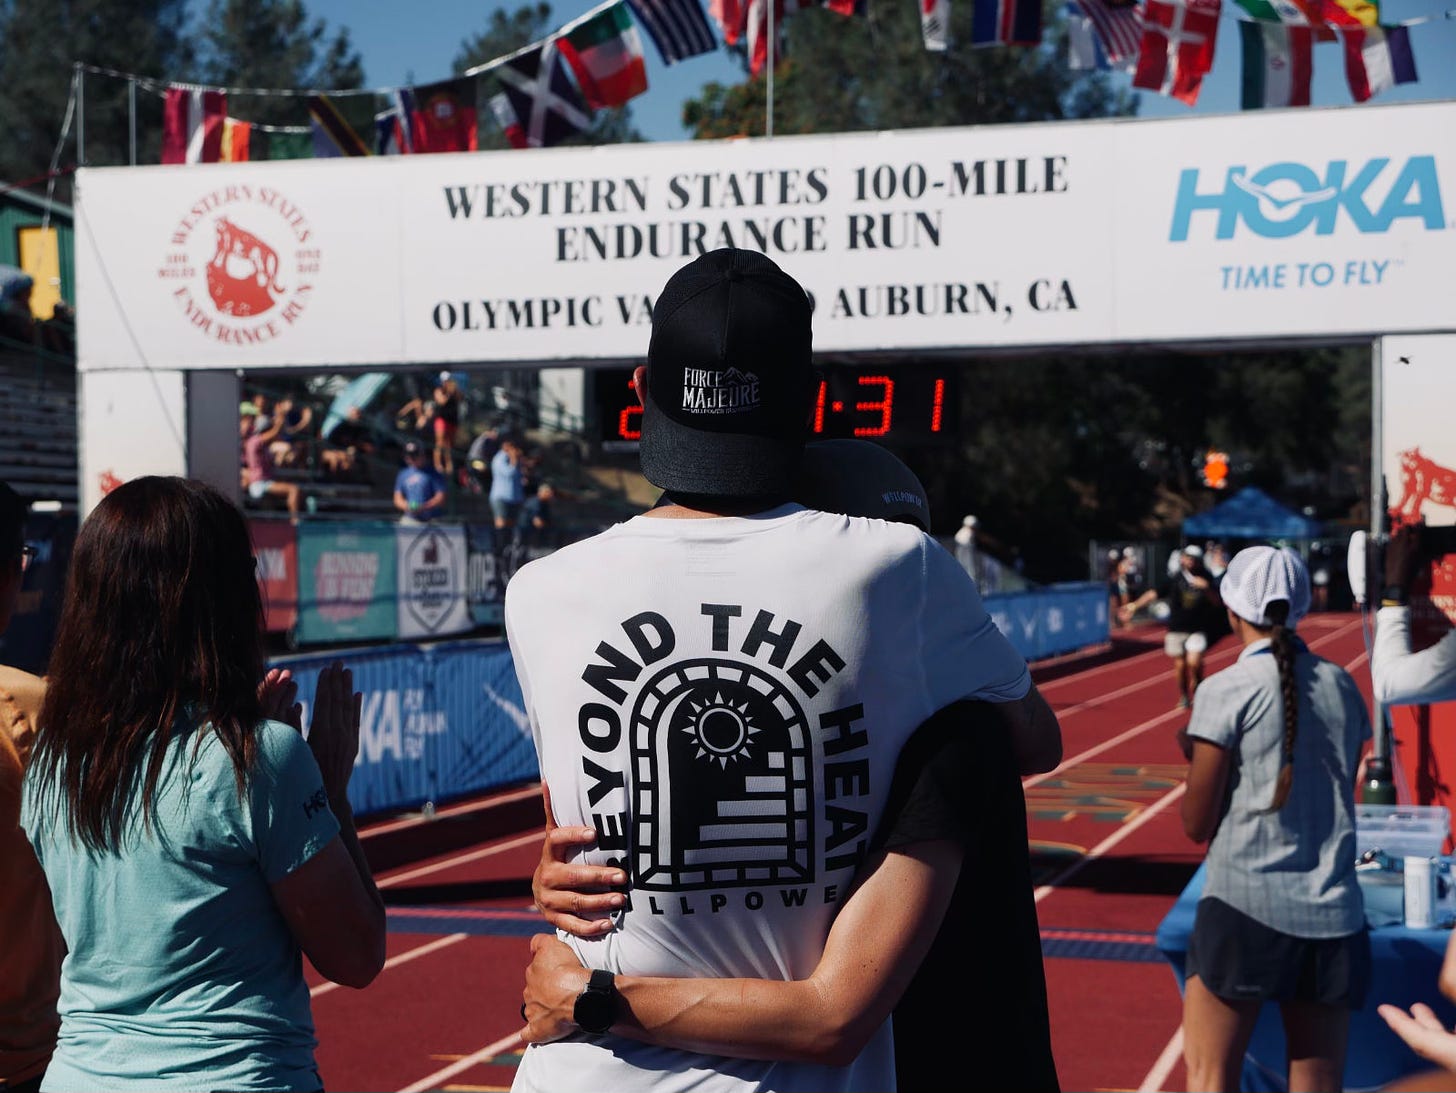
(1036, 734)
(330, 902)
(878, 939)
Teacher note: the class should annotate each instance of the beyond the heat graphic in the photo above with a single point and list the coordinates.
(724, 761)
(722, 757)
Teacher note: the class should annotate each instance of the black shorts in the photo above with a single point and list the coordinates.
(1241, 960)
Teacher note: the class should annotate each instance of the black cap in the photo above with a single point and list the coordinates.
(860, 478)
(729, 378)
(412, 447)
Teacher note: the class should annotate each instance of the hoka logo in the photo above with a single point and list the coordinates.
(1284, 199)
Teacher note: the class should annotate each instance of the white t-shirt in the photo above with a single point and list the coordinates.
(1402, 677)
(724, 699)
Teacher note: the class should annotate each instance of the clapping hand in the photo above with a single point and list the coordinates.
(276, 695)
(333, 733)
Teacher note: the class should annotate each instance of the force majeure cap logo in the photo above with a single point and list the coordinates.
(719, 391)
(1285, 199)
(241, 265)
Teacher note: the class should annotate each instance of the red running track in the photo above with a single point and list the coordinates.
(1108, 850)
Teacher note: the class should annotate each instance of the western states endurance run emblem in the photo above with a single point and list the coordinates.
(241, 265)
(701, 771)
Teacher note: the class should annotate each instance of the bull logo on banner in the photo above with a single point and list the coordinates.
(242, 277)
(254, 250)
(1422, 479)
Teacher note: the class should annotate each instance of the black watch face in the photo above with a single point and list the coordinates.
(595, 1010)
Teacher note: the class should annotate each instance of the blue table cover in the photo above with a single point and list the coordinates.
(1406, 964)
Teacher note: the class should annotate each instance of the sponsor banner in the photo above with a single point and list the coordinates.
(432, 577)
(436, 723)
(26, 642)
(485, 589)
(346, 582)
(489, 742)
(1313, 222)
(1308, 222)
(275, 546)
(1050, 621)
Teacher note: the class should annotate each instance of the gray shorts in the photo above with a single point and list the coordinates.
(1176, 643)
(259, 489)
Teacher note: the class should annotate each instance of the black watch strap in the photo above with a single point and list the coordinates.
(596, 1006)
(1394, 595)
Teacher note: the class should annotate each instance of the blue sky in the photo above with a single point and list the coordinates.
(403, 43)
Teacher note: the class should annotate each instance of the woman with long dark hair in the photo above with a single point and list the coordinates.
(1275, 749)
(196, 848)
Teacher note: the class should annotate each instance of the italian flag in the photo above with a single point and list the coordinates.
(605, 53)
(1278, 64)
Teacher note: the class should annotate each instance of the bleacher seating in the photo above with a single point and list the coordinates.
(38, 441)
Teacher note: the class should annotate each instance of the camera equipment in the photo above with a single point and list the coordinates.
(1437, 541)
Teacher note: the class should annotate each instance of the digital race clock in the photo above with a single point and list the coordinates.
(901, 404)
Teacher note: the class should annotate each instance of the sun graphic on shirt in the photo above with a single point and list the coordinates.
(722, 730)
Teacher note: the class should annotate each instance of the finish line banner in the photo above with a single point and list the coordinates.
(1282, 224)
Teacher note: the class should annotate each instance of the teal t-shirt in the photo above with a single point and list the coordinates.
(180, 971)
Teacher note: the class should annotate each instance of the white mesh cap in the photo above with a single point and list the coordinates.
(1257, 576)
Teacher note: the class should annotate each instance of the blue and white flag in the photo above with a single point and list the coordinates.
(678, 28)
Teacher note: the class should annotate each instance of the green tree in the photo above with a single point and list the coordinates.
(504, 33)
(274, 44)
(841, 74)
(40, 40)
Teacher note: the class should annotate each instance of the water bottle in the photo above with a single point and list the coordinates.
(1420, 893)
(1379, 785)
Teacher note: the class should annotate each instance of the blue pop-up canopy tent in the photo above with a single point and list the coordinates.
(1251, 514)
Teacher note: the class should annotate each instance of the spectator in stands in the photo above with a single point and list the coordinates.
(449, 403)
(258, 467)
(1275, 750)
(195, 846)
(419, 491)
(30, 941)
(477, 458)
(16, 321)
(536, 525)
(417, 419)
(348, 440)
(291, 447)
(507, 488)
(1192, 597)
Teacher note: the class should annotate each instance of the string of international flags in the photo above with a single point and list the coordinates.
(549, 89)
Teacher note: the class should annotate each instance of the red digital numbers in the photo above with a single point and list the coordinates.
(937, 405)
(884, 405)
(819, 407)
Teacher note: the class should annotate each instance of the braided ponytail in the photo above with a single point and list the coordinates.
(1281, 644)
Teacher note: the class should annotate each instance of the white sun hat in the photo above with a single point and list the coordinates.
(1259, 575)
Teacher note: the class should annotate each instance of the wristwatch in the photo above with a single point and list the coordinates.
(596, 1005)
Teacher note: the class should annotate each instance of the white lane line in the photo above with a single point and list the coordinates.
(450, 811)
(1112, 840)
(1098, 749)
(458, 859)
(1158, 1076)
(1078, 676)
(399, 958)
(510, 1043)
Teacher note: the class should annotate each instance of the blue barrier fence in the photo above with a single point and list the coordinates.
(439, 721)
(447, 720)
(1055, 619)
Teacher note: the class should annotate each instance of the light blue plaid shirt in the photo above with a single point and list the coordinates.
(1292, 870)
